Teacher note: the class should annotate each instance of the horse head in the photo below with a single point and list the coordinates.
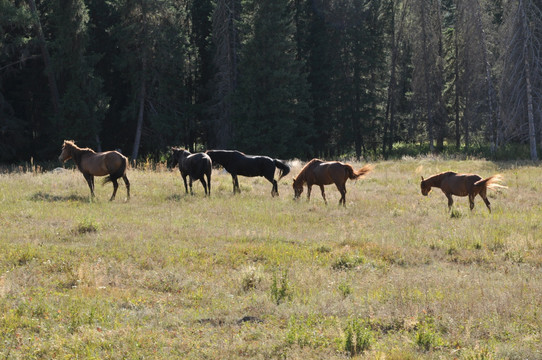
(426, 188)
(178, 155)
(298, 188)
(66, 153)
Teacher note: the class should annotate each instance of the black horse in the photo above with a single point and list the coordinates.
(193, 165)
(237, 163)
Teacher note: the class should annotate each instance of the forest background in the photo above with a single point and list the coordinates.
(285, 78)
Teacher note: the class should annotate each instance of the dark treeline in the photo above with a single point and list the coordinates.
(285, 78)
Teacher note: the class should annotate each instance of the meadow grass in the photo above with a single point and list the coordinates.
(394, 275)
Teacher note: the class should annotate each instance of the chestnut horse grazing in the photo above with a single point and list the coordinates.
(318, 172)
(452, 183)
(195, 166)
(91, 163)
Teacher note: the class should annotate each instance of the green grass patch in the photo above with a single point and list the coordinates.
(166, 275)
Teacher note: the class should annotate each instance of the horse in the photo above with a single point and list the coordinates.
(90, 163)
(469, 185)
(318, 172)
(193, 165)
(237, 163)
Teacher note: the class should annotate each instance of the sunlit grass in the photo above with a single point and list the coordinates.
(169, 275)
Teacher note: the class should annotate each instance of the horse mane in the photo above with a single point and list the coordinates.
(437, 177)
(307, 166)
(71, 143)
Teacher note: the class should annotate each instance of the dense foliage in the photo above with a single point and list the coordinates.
(287, 78)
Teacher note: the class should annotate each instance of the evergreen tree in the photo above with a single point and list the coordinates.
(15, 28)
(272, 114)
(82, 100)
(318, 46)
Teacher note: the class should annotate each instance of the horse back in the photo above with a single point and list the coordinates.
(459, 184)
(196, 165)
(104, 163)
(326, 173)
(226, 158)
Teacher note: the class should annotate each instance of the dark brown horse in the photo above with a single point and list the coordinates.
(469, 185)
(195, 166)
(318, 172)
(237, 163)
(91, 163)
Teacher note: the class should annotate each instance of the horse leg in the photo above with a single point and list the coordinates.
(343, 196)
(483, 195)
(185, 186)
(202, 179)
(115, 187)
(323, 193)
(342, 190)
(309, 188)
(209, 183)
(450, 201)
(488, 204)
(235, 184)
(90, 181)
(275, 189)
(471, 201)
(127, 183)
(190, 183)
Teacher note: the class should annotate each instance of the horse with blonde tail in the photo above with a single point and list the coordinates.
(469, 185)
(318, 172)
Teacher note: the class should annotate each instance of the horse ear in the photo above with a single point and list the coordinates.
(422, 178)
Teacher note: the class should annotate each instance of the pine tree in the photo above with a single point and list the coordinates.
(272, 114)
(82, 100)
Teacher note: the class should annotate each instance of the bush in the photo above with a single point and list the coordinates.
(280, 288)
(358, 337)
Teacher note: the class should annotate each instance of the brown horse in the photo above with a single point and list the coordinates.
(452, 183)
(318, 172)
(91, 163)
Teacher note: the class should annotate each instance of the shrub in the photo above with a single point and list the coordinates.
(358, 337)
(347, 262)
(251, 277)
(345, 289)
(86, 226)
(280, 287)
(427, 337)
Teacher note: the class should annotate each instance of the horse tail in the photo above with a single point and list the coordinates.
(118, 173)
(491, 182)
(283, 168)
(353, 174)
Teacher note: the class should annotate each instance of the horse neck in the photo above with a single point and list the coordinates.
(302, 177)
(77, 154)
(435, 180)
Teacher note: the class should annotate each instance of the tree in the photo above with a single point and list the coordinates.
(522, 69)
(226, 44)
(82, 100)
(272, 114)
(428, 73)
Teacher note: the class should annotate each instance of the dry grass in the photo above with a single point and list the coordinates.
(391, 276)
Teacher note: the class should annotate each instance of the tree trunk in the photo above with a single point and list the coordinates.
(141, 112)
(55, 97)
(143, 88)
(494, 110)
(530, 112)
(456, 90)
(430, 120)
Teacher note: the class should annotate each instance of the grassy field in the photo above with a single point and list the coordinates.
(393, 275)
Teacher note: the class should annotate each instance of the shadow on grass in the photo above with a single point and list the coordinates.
(40, 196)
(185, 197)
(174, 197)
